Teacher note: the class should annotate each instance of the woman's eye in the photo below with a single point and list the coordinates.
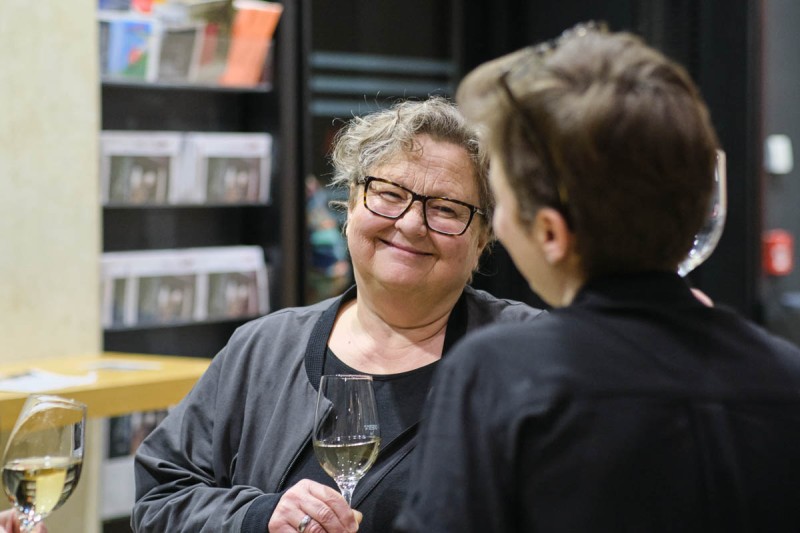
(391, 196)
(443, 211)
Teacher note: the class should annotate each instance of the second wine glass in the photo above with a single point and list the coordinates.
(44, 455)
(705, 241)
(346, 431)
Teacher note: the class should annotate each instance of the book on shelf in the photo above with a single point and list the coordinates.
(130, 45)
(140, 167)
(253, 27)
(181, 286)
(179, 57)
(213, 19)
(229, 168)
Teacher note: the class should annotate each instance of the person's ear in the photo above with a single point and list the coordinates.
(553, 235)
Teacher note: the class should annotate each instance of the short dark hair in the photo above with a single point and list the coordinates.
(610, 132)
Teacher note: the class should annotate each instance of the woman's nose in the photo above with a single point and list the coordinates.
(413, 220)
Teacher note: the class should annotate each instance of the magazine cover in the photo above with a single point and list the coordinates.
(232, 282)
(139, 168)
(253, 27)
(233, 294)
(230, 168)
(132, 45)
(167, 299)
(179, 57)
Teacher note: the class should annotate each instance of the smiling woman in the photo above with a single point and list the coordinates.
(417, 223)
(403, 253)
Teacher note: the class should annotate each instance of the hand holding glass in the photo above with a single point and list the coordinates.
(707, 238)
(43, 457)
(346, 435)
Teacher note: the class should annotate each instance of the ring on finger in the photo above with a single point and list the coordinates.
(303, 523)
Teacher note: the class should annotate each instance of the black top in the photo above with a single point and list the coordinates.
(634, 409)
(399, 398)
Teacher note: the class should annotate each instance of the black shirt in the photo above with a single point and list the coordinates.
(636, 408)
(400, 399)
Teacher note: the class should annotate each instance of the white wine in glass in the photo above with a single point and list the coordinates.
(707, 238)
(43, 457)
(346, 431)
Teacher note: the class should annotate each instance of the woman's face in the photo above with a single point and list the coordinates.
(403, 254)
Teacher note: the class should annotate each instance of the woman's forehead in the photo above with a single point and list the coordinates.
(430, 161)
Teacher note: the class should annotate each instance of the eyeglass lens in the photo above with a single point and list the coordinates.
(442, 215)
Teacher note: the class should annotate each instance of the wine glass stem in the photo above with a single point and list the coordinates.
(27, 521)
(346, 488)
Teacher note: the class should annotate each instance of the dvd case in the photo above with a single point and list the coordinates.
(140, 167)
(229, 168)
(179, 56)
(130, 45)
(169, 287)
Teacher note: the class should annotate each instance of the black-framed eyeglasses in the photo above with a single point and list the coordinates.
(533, 57)
(443, 215)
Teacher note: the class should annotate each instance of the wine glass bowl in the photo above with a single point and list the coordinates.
(346, 432)
(705, 241)
(44, 455)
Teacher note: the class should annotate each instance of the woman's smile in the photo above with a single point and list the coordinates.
(405, 248)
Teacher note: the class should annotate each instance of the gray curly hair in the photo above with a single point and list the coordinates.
(370, 140)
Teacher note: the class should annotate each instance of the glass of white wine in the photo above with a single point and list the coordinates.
(43, 457)
(346, 431)
(707, 238)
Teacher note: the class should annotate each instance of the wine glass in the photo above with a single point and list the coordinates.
(346, 433)
(707, 238)
(43, 457)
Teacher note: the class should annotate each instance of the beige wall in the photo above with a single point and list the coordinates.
(49, 208)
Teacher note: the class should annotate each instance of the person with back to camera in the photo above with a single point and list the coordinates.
(632, 406)
(236, 454)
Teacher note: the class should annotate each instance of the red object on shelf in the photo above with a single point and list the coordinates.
(142, 6)
(778, 252)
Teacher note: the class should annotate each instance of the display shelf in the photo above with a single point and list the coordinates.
(275, 226)
(186, 86)
(200, 339)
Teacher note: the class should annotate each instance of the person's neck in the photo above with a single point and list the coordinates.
(388, 334)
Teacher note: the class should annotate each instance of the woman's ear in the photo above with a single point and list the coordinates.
(552, 234)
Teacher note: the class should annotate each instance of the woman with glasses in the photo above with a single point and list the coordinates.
(632, 406)
(236, 454)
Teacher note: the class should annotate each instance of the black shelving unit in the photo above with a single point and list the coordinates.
(274, 108)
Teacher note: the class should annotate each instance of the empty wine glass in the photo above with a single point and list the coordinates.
(346, 434)
(707, 238)
(43, 457)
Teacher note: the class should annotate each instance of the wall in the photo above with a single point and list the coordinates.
(49, 214)
(49, 208)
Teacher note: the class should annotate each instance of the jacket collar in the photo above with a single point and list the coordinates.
(318, 341)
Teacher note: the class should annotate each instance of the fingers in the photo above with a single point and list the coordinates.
(704, 298)
(328, 510)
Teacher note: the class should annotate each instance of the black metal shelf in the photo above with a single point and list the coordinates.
(273, 108)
